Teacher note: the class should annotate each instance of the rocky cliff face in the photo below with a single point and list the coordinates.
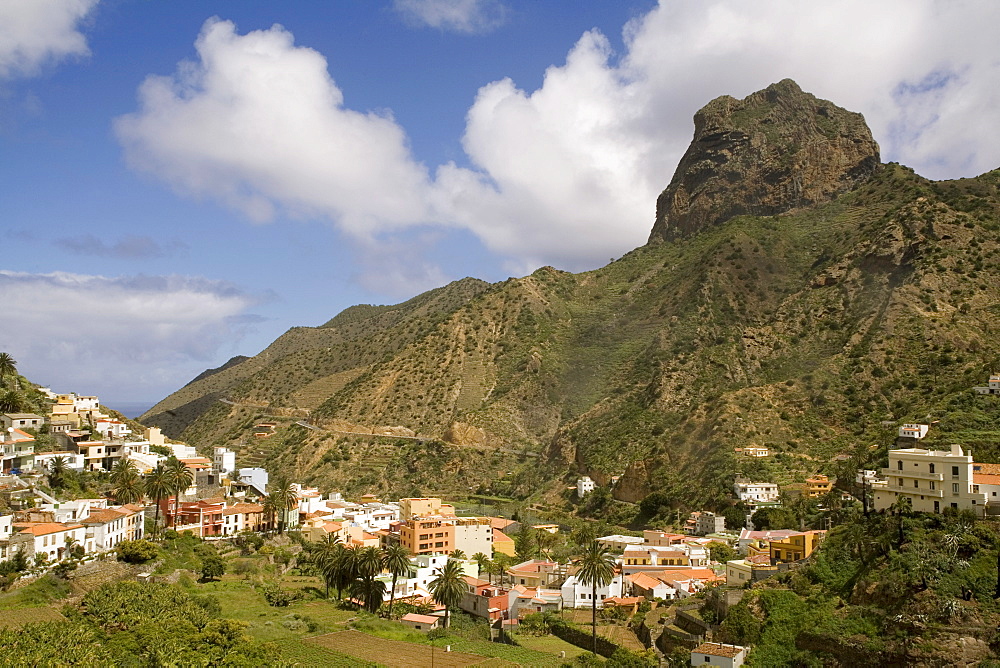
(776, 150)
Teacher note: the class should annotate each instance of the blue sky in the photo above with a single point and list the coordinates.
(181, 182)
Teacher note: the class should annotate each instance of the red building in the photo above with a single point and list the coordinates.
(204, 517)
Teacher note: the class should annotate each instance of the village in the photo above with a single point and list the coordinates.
(507, 570)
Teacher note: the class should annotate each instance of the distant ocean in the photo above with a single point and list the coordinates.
(131, 409)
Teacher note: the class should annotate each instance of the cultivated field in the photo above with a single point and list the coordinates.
(393, 653)
(22, 616)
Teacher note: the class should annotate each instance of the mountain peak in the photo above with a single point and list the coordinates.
(775, 150)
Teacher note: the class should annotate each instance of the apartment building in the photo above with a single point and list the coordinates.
(931, 479)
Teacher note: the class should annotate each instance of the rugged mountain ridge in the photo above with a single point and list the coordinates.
(854, 294)
(775, 150)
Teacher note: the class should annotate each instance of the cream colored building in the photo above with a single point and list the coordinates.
(932, 479)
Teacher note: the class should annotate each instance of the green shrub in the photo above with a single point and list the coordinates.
(136, 551)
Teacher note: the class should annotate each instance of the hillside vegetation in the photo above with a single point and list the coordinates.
(809, 331)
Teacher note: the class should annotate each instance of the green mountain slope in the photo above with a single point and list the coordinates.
(803, 330)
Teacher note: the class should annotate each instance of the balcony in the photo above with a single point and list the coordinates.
(913, 491)
(896, 473)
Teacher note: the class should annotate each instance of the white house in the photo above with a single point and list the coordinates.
(576, 594)
(6, 529)
(86, 403)
(108, 527)
(993, 387)
(914, 431)
(584, 486)
(112, 428)
(48, 538)
(224, 460)
(718, 654)
(756, 492)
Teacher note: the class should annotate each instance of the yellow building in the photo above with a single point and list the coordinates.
(503, 543)
(817, 486)
(796, 547)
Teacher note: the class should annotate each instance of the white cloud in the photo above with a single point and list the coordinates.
(566, 174)
(259, 124)
(462, 16)
(36, 32)
(136, 336)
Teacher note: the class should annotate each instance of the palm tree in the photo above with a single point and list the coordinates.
(285, 499)
(448, 587)
(158, 487)
(396, 559)
(457, 554)
(57, 472)
(128, 489)
(481, 561)
(8, 366)
(367, 566)
(370, 592)
(270, 510)
(123, 470)
(597, 569)
(180, 478)
(13, 401)
(325, 557)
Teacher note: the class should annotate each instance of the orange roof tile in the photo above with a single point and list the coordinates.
(45, 528)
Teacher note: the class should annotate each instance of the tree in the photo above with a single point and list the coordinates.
(127, 485)
(212, 567)
(158, 486)
(180, 478)
(457, 554)
(13, 401)
(597, 569)
(546, 542)
(270, 511)
(448, 587)
(721, 552)
(501, 562)
(325, 554)
(136, 551)
(774, 517)
(8, 366)
(396, 560)
(124, 469)
(482, 561)
(57, 472)
(370, 592)
(525, 544)
(285, 499)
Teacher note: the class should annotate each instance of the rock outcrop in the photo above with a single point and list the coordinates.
(776, 150)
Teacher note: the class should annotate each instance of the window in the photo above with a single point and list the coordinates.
(954, 471)
(932, 467)
(899, 465)
(916, 483)
(954, 505)
(932, 484)
(954, 488)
